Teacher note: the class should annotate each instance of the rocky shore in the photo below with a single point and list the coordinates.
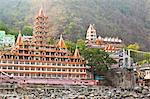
(74, 92)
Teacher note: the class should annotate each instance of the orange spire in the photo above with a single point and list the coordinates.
(61, 43)
(41, 12)
(77, 53)
(19, 39)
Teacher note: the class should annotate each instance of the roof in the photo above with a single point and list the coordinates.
(19, 39)
(77, 53)
(61, 43)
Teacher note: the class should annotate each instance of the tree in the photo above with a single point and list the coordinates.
(147, 57)
(51, 41)
(81, 44)
(71, 46)
(3, 27)
(98, 58)
(134, 46)
(27, 30)
(13, 32)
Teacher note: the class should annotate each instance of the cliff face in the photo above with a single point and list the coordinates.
(127, 19)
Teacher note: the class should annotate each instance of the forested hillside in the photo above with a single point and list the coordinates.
(127, 19)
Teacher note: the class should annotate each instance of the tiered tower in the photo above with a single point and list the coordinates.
(41, 28)
(38, 62)
(91, 34)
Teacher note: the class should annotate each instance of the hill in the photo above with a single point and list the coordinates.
(127, 19)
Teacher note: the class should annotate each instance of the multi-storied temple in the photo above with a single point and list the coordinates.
(35, 61)
(108, 44)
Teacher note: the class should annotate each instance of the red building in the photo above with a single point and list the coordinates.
(35, 61)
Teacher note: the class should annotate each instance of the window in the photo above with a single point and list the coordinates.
(32, 75)
(73, 70)
(21, 68)
(33, 63)
(16, 68)
(27, 75)
(77, 70)
(21, 62)
(47, 59)
(43, 75)
(21, 74)
(36, 58)
(26, 52)
(26, 68)
(32, 68)
(38, 68)
(26, 57)
(69, 70)
(59, 75)
(53, 75)
(43, 69)
(9, 67)
(63, 64)
(47, 53)
(48, 75)
(64, 75)
(10, 62)
(58, 64)
(54, 69)
(43, 63)
(26, 62)
(37, 47)
(15, 74)
(48, 69)
(16, 62)
(38, 75)
(25, 46)
(5, 67)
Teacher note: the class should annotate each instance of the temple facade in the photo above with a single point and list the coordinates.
(35, 61)
(108, 44)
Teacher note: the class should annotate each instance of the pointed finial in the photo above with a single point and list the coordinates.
(61, 43)
(19, 39)
(77, 53)
(61, 36)
(41, 12)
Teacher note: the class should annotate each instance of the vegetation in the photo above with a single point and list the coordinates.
(134, 46)
(95, 57)
(27, 30)
(98, 58)
(127, 19)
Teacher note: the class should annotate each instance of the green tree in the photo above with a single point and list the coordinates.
(13, 32)
(51, 41)
(134, 46)
(98, 58)
(71, 46)
(81, 44)
(147, 57)
(3, 27)
(27, 30)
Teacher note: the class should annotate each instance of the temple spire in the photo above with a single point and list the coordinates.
(61, 43)
(41, 12)
(19, 40)
(91, 34)
(41, 28)
(77, 53)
